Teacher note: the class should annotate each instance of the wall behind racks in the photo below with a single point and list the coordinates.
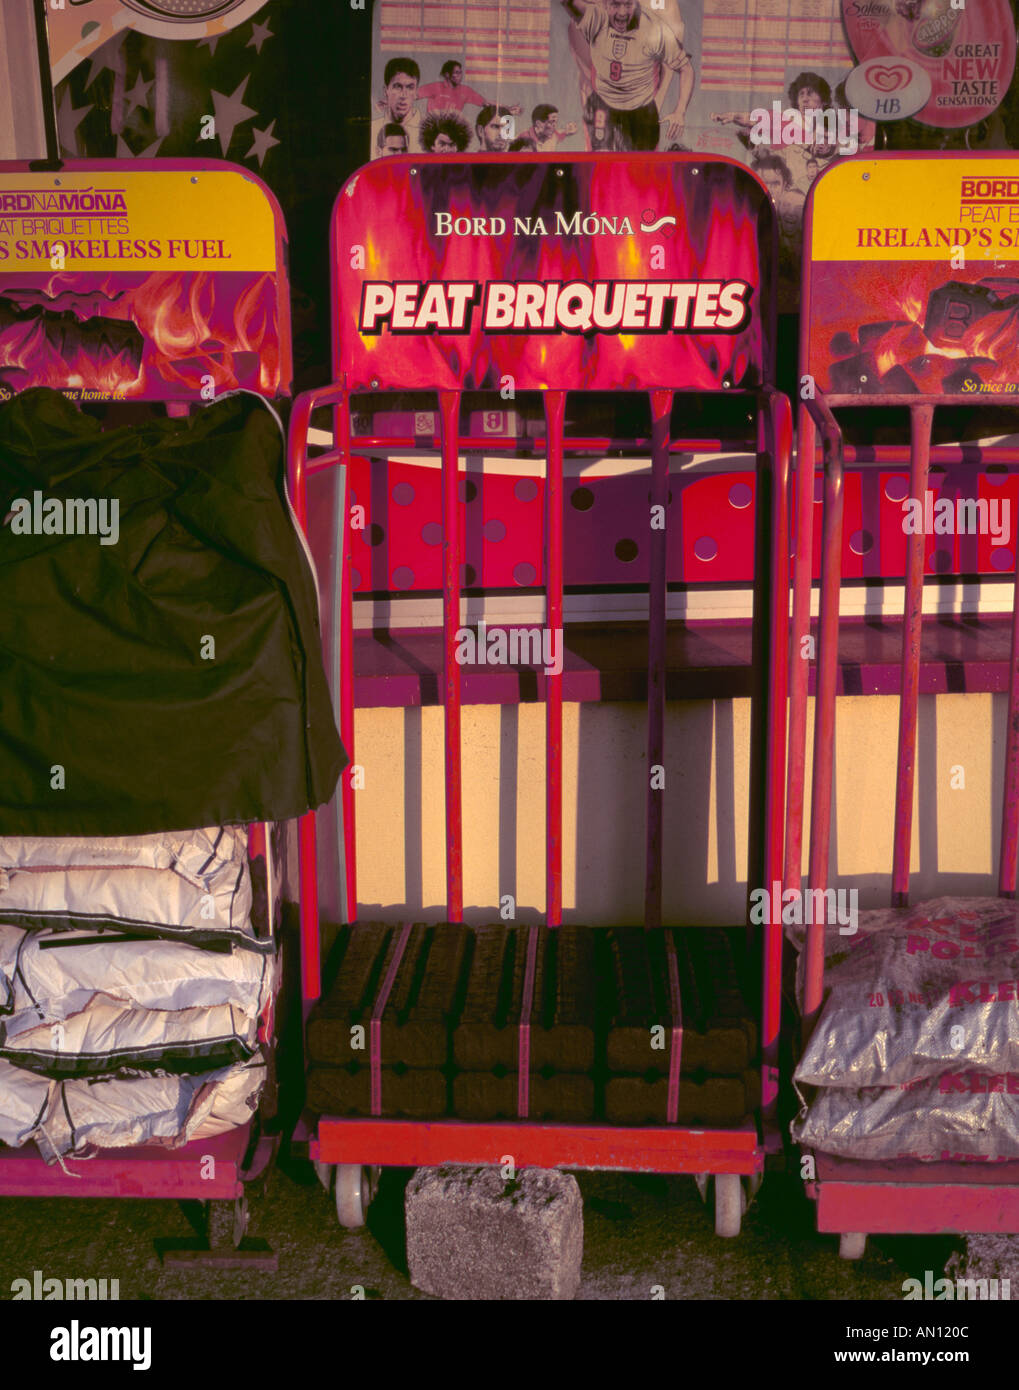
(400, 811)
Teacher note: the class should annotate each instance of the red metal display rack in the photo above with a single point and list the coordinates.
(387, 236)
(168, 284)
(932, 332)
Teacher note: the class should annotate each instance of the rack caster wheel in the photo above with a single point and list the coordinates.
(324, 1173)
(226, 1223)
(753, 1185)
(354, 1191)
(730, 1203)
(852, 1245)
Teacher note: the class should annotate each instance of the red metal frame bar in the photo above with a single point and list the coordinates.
(798, 675)
(775, 427)
(341, 415)
(649, 1149)
(298, 468)
(893, 455)
(147, 1172)
(661, 413)
(920, 420)
(449, 406)
(588, 443)
(926, 1207)
(827, 674)
(555, 410)
(1010, 791)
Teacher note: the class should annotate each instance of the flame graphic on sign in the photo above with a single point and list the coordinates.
(889, 327)
(157, 335)
(392, 216)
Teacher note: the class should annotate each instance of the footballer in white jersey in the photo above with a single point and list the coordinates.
(632, 53)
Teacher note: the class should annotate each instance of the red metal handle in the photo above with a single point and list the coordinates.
(297, 461)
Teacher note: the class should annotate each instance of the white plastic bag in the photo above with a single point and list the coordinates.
(147, 902)
(52, 976)
(916, 992)
(108, 1036)
(960, 1115)
(123, 1112)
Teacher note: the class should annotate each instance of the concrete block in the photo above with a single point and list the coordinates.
(473, 1235)
(990, 1259)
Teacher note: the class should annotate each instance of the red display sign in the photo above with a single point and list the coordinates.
(591, 273)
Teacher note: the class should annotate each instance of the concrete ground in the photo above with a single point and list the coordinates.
(640, 1231)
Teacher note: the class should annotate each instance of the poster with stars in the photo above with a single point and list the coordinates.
(275, 88)
(140, 93)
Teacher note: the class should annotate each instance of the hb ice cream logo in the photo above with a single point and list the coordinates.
(889, 78)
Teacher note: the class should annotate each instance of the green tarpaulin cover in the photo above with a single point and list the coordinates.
(161, 667)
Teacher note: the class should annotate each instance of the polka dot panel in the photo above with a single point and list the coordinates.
(606, 532)
(878, 510)
(717, 526)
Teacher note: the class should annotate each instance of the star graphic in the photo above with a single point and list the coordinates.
(138, 95)
(211, 41)
(124, 150)
(103, 57)
(259, 34)
(69, 118)
(230, 112)
(263, 142)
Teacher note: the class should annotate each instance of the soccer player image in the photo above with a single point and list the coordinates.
(444, 132)
(807, 92)
(401, 77)
(601, 136)
(633, 54)
(545, 130)
(495, 129)
(450, 94)
(774, 173)
(392, 139)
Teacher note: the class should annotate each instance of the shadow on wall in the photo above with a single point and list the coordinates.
(401, 816)
(604, 814)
